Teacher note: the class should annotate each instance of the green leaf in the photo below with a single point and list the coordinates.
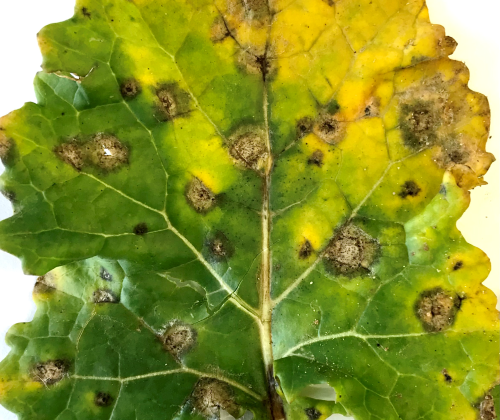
(249, 209)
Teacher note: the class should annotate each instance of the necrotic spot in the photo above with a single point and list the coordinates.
(247, 146)
(305, 250)
(304, 126)
(458, 265)
(211, 395)
(103, 399)
(130, 89)
(171, 101)
(199, 196)
(141, 229)
(446, 376)
(352, 250)
(316, 158)
(105, 275)
(179, 338)
(312, 413)
(418, 124)
(487, 408)
(329, 129)
(436, 309)
(50, 372)
(220, 248)
(104, 296)
(71, 153)
(409, 188)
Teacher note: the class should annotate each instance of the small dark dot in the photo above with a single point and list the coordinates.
(458, 265)
(141, 229)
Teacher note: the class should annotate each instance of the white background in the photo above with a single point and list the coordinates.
(474, 24)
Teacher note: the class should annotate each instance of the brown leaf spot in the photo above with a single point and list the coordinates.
(199, 196)
(211, 395)
(248, 148)
(316, 158)
(220, 247)
(50, 372)
(436, 309)
(103, 399)
(458, 265)
(304, 127)
(130, 89)
(140, 229)
(446, 375)
(107, 152)
(419, 124)
(104, 296)
(179, 338)
(219, 30)
(105, 274)
(487, 408)
(352, 250)
(255, 63)
(409, 188)
(86, 13)
(5, 146)
(329, 129)
(71, 153)
(312, 413)
(306, 250)
(171, 101)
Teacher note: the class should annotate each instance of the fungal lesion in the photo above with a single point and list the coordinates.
(103, 399)
(105, 274)
(257, 62)
(50, 372)
(219, 30)
(171, 101)
(352, 251)
(6, 146)
(430, 117)
(437, 309)
(247, 146)
(178, 338)
(487, 408)
(220, 247)
(199, 196)
(329, 128)
(316, 158)
(304, 126)
(306, 250)
(211, 395)
(409, 189)
(141, 229)
(130, 89)
(103, 151)
(312, 413)
(104, 296)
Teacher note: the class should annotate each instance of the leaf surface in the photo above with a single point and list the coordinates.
(235, 206)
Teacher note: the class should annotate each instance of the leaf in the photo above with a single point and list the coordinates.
(234, 207)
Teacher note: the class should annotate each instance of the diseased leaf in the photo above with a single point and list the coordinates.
(245, 209)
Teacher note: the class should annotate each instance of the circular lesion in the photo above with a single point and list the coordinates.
(437, 309)
(352, 251)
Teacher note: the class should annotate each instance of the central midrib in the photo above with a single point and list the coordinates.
(266, 303)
